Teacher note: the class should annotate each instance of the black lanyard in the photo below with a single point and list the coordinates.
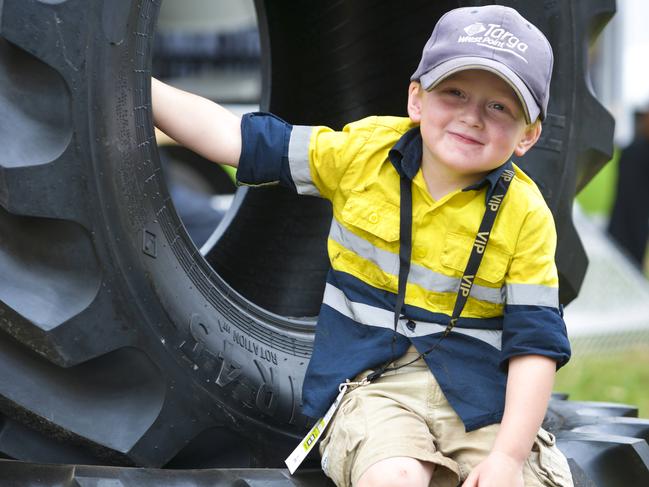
(471, 269)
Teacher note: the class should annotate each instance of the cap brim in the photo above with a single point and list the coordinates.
(442, 71)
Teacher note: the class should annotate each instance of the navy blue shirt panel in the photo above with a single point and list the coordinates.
(534, 330)
(264, 151)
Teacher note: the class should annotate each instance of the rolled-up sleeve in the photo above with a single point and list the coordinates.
(264, 151)
(533, 322)
(308, 160)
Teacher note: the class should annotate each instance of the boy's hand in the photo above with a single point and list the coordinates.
(529, 385)
(497, 470)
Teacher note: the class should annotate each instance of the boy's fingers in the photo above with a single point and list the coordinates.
(471, 480)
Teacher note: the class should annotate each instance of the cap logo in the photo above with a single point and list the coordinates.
(494, 37)
(475, 29)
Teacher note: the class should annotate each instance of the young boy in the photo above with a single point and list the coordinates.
(467, 358)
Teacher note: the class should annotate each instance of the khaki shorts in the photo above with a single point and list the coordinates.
(405, 414)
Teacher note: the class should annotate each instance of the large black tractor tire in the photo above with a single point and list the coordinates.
(121, 343)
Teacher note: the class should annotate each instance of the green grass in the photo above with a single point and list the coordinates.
(621, 376)
(597, 196)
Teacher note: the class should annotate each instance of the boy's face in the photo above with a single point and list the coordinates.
(471, 123)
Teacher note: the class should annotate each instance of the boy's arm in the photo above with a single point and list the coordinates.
(529, 387)
(197, 123)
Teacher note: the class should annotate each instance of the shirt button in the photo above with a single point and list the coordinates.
(420, 252)
(373, 218)
(411, 325)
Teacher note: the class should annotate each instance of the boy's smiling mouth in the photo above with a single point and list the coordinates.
(465, 138)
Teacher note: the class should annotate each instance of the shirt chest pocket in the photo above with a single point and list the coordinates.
(372, 213)
(456, 252)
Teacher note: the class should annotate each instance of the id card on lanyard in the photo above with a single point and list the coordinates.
(309, 441)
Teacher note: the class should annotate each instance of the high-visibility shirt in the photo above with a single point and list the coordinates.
(513, 307)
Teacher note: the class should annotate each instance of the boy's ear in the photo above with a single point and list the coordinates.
(529, 138)
(414, 101)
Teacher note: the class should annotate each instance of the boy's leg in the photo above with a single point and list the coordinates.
(397, 472)
(545, 467)
(386, 420)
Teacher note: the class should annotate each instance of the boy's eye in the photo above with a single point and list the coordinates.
(498, 106)
(450, 90)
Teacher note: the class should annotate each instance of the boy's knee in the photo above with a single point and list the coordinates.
(397, 472)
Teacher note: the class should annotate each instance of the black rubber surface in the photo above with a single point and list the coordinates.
(18, 474)
(604, 447)
(120, 344)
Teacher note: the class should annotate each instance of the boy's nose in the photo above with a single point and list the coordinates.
(472, 115)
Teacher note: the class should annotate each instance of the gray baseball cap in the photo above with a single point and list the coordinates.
(493, 38)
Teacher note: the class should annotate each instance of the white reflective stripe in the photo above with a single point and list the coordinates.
(423, 328)
(532, 295)
(431, 280)
(381, 318)
(435, 281)
(420, 275)
(387, 261)
(489, 294)
(359, 312)
(298, 160)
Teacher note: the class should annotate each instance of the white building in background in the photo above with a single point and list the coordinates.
(620, 70)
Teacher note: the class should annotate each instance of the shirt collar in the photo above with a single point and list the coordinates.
(406, 154)
(490, 179)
